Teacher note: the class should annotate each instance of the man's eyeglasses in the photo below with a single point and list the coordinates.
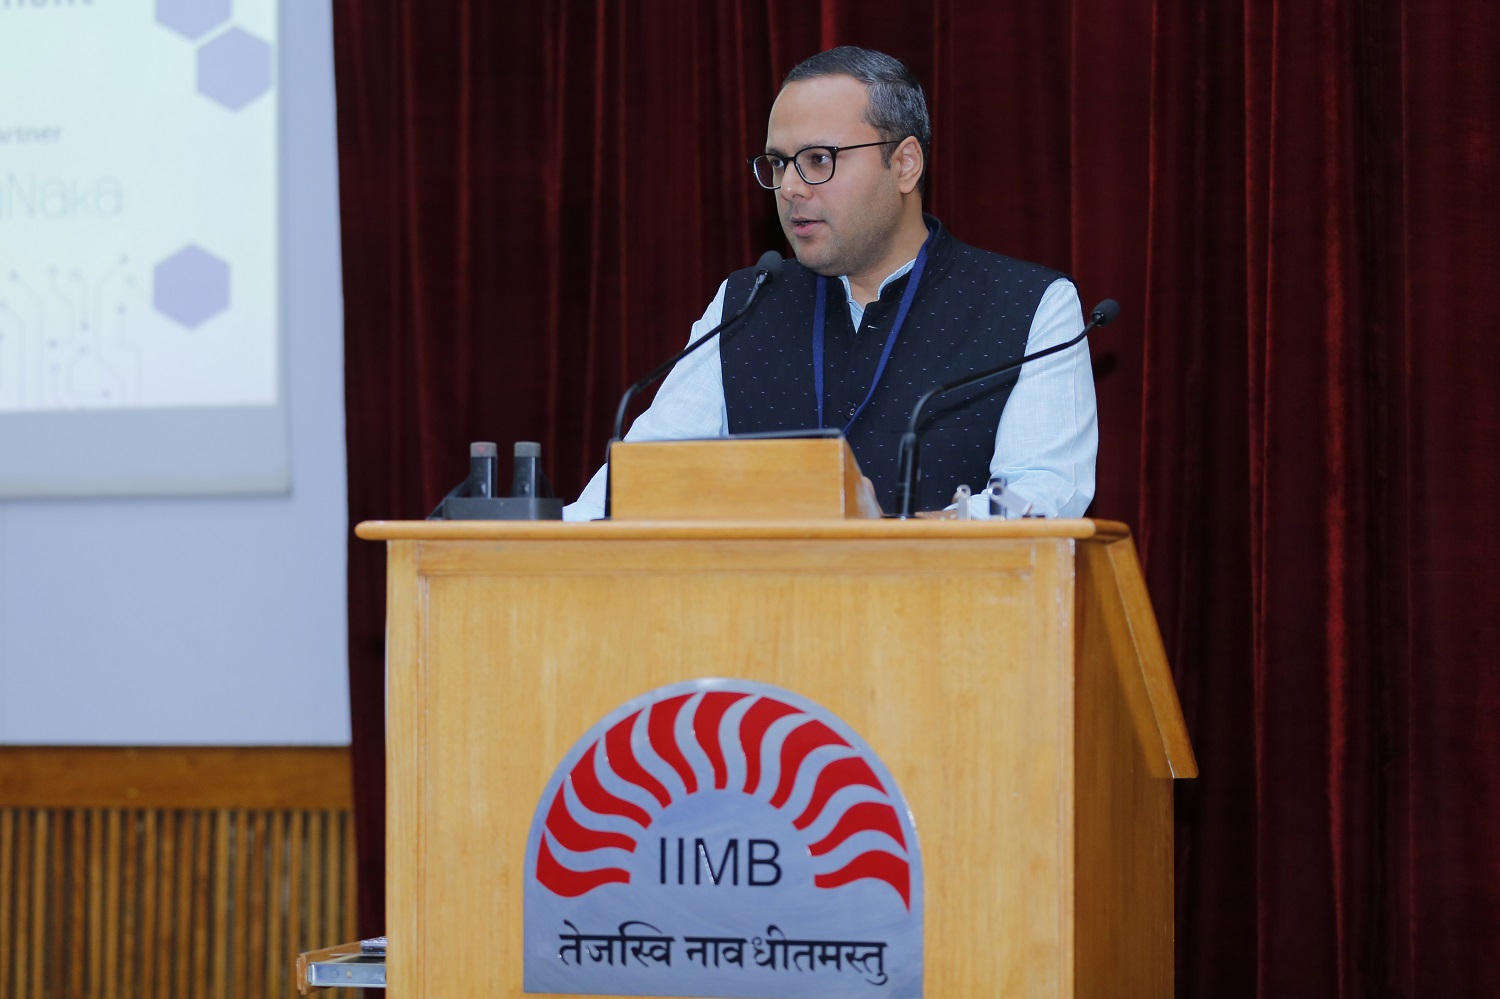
(814, 164)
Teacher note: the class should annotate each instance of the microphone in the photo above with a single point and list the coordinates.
(766, 270)
(481, 481)
(1104, 313)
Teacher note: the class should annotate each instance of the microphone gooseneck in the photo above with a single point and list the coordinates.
(766, 270)
(908, 473)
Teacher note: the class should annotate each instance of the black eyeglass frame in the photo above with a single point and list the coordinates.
(833, 156)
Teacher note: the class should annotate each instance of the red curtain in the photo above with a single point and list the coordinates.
(1290, 202)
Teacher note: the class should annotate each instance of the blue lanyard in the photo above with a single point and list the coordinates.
(820, 317)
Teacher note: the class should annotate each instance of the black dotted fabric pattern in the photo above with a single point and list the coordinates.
(973, 310)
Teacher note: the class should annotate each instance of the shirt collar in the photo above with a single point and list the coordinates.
(894, 275)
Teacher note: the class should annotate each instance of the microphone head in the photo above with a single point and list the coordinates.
(769, 264)
(1105, 312)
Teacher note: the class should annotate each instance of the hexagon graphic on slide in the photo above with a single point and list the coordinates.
(234, 69)
(191, 286)
(192, 18)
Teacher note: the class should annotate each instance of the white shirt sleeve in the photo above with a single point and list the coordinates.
(1048, 438)
(690, 405)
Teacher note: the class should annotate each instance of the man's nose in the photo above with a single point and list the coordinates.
(792, 184)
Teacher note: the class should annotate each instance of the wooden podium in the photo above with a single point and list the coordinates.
(1009, 674)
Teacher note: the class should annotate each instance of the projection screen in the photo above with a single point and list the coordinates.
(140, 349)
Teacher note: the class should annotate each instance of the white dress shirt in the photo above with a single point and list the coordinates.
(1045, 445)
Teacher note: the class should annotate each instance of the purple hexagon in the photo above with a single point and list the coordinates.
(192, 18)
(191, 286)
(235, 68)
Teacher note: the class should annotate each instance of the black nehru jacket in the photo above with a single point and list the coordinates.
(973, 310)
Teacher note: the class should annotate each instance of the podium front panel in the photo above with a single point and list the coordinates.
(954, 658)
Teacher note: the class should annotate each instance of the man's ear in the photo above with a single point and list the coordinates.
(909, 164)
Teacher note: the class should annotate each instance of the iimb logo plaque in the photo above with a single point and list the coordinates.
(723, 838)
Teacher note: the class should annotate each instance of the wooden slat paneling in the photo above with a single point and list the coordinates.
(112, 869)
(276, 960)
(239, 901)
(180, 956)
(119, 885)
(256, 911)
(130, 862)
(8, 890)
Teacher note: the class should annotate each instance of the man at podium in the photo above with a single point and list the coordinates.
(880, 305)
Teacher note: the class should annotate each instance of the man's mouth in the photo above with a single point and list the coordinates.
(801, 226)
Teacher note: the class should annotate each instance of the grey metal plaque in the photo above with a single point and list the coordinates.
(723, 838)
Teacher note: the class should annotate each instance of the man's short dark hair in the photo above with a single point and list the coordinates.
(898, 107)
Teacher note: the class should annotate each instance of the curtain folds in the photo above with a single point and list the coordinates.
(1289, 202)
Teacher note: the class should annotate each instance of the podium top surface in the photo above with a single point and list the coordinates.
(555, 530)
